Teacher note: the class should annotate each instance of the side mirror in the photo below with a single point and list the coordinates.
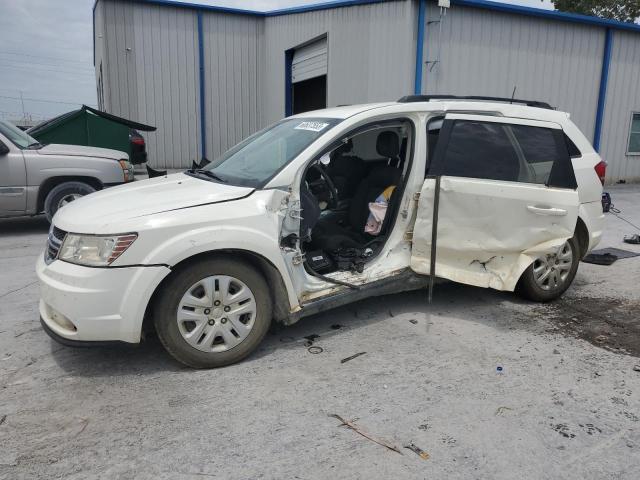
(4, 150)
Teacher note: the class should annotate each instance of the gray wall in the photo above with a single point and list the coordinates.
(487, 53)
(151, 74)
(232, 49)
(371, 52)
(623, 97)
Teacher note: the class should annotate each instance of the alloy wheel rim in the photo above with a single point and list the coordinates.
(216, 313)
(551, 271)
(67, 199)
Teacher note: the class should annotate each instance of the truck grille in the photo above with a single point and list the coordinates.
(54, 242)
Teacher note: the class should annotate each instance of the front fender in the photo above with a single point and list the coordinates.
(223, 237)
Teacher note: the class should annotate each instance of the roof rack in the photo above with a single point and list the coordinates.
(427, 98)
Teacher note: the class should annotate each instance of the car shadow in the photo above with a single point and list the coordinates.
(23, 225)
(146, 358)
(149, 357)
(449, 299)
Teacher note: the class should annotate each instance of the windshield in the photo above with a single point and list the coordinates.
(17, 136)
(258, 158)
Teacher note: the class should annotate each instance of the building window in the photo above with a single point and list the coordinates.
(633, 148)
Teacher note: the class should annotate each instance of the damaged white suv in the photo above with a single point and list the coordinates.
(322, 209)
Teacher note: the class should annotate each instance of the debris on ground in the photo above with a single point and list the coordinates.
(632, 239)
(310, 339)
(336, 326)
(636, 368)
(356, 429)
(414, 321)
(606, 256)
(421, 453)
(356, 355)
(2, 419)
(501, 410)
(315, 350)
(37, 329)
(563, 429)
(84, 422)
(605, 259)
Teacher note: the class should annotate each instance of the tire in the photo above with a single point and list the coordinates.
(200, 333)
(64, 193)
(537, 291)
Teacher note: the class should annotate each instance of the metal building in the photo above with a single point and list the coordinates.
(207, 77)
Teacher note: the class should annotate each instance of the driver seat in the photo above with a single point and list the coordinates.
(328, 235)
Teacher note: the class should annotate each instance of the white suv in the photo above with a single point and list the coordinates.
(322, 209)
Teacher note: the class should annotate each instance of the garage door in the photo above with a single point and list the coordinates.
(309, 61)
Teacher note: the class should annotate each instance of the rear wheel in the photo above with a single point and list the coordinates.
(63, 194)
(548, 277)
(213, 313)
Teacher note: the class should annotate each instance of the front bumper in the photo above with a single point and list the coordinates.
(84, 304)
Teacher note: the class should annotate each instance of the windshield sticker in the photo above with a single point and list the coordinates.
(312, 126)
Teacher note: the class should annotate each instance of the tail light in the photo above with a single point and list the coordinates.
(601, 170)
(137, 140)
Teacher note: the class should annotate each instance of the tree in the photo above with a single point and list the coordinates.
(623, 10)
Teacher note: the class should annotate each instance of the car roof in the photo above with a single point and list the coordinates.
(501, 108)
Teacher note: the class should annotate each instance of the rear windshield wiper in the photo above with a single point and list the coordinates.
(207, 173)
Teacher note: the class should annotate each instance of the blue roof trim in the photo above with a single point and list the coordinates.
(319, 6)
(199, 6)
(257, 13)
(549, 14)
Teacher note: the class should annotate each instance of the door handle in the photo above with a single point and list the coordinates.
(551, 211)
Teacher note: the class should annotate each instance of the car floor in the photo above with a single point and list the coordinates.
(488, 385)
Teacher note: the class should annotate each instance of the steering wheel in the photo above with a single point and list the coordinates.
(332, 201)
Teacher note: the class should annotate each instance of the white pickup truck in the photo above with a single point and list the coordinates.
(37, 178)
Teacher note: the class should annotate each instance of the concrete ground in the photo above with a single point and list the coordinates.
(566, 403)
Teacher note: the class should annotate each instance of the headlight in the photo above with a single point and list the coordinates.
(94, 250)
(127, 170)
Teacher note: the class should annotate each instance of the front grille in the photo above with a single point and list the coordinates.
(54, 242)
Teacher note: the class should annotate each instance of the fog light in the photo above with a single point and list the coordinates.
(61, 320)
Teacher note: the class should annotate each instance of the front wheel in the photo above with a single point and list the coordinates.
(213, 313)
(548, 277)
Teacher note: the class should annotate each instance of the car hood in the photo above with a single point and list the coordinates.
(81, 151)
(104, 209)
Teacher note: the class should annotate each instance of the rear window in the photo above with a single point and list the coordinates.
(507, 152)
(480, 150)
(574, 152)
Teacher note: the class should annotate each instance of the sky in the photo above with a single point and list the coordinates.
(46, 52)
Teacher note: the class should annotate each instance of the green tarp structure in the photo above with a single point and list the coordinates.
(90, 127)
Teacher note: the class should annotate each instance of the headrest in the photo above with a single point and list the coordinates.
(388, 144)
(346, 147)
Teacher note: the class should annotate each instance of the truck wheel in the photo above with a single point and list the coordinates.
(547, 278)
(213, 313)
(65, 193)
